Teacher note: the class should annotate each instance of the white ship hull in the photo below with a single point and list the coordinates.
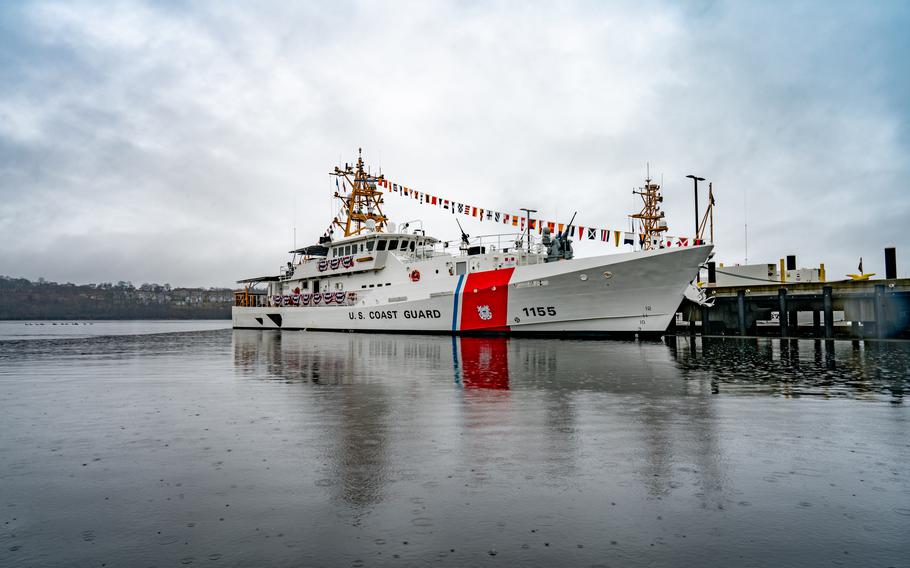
(635, 292)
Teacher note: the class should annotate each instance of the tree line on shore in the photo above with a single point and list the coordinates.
(22, 299)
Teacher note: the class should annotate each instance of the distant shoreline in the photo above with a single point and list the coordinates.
(24, 300)
(196, 318)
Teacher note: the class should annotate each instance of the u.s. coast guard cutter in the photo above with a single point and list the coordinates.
(375, 278)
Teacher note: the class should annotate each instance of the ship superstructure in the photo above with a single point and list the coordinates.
(378, 277)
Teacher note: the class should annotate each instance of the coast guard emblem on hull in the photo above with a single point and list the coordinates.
(485, 313)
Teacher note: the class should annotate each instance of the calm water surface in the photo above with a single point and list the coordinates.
(50, 329)
(247, 448)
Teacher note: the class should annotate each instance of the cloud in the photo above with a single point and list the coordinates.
(181, 143)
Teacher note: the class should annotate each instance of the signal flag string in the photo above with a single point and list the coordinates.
(618, 238)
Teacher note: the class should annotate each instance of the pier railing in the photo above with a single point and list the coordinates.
(262, 300)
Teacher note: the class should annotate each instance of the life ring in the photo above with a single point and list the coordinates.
(415, 275)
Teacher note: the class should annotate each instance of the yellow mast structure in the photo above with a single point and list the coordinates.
(364, 201)
(651, 217)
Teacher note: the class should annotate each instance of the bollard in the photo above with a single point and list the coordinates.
(828, 301)
(741, 309)
(890, 263)
(782, 299)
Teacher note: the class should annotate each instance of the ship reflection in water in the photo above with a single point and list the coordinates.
(753, 366)
(249, 448)
(686, 452)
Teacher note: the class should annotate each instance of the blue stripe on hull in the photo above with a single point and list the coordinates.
(455, 308)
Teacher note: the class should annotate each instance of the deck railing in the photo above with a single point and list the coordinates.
(249, 299)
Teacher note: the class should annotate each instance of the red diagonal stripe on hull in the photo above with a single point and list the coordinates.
(496, 300)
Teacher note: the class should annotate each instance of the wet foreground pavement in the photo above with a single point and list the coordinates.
(247, 448)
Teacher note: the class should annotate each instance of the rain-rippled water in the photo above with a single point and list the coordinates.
(246, 448)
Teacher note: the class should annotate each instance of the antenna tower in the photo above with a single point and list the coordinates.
(651, 217)
(363, 203)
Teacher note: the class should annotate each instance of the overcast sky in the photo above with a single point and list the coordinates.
(182, 142)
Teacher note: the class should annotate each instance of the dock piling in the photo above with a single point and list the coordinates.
(828, 302)
(881, 314)
(741, 311)
(782, 317)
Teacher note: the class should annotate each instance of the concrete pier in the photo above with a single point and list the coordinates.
(871, 309)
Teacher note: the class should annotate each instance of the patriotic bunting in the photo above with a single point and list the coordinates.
(619, 238)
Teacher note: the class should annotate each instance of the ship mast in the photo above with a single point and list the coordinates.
(652, 218)
(362, 204)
